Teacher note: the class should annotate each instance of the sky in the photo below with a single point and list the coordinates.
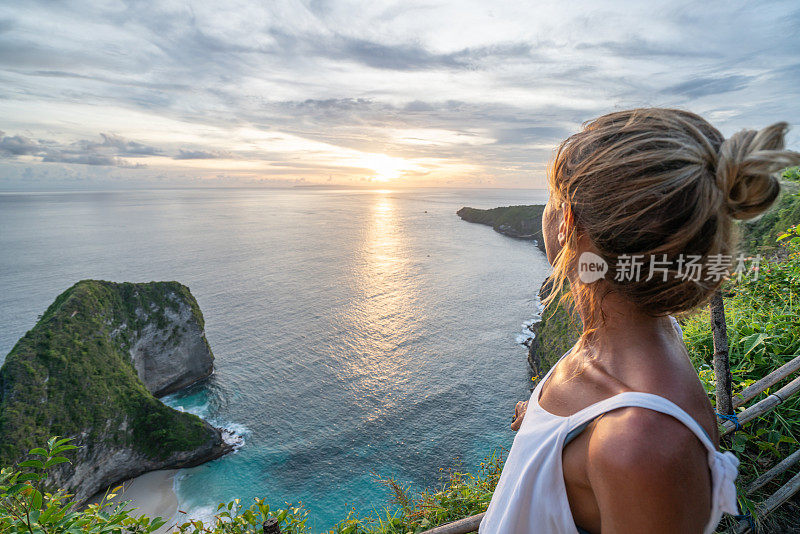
(410, 93)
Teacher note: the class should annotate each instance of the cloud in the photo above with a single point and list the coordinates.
(219, 84)
(202, 154)
(124, 147)
(405, 57)
(709, 85)
(17, 145)
(82, 152)
(642, 48)
(83, 159)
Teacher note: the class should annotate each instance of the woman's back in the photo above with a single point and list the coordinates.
(648, 358)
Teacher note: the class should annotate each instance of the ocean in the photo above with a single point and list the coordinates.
(357, 333)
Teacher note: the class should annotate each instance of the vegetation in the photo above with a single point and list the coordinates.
(28, 506)
(553, 336)
(763, 334)
(761, 234)
(82, 341)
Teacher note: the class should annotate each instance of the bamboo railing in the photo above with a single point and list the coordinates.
(756, 388)
(726, 406)
(763, 406)
(462, 526)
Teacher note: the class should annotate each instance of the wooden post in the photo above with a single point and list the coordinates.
(722, 367)
(271, 526)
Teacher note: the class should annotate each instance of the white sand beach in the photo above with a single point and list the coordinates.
(150, 494)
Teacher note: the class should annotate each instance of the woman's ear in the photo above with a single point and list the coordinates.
(566, 223)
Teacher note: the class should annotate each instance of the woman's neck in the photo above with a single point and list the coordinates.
(619, 325)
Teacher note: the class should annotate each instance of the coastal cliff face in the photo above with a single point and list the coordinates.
(88, 370)
(556, 333)
(171, 358)
(521, 222)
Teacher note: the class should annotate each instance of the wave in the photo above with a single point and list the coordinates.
(232, 433)
(200, 411)
(527, 335)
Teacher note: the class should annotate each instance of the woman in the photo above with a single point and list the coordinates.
(619, 437)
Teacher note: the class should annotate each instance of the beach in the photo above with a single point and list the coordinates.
(151, 494)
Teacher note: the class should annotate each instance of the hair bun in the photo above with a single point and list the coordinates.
(746, 167)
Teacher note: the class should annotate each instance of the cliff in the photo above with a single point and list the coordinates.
(89, 369)
(554, 335)
(521, 222)
(558, 330)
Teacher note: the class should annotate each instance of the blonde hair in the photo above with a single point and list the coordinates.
(657, 182)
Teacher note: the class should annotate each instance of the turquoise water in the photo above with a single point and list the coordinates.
(356, 333)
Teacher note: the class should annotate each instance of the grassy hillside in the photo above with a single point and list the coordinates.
(554, 335)
(763, 334)
(71, 374)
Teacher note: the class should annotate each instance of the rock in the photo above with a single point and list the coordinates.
(88, 370)
(166, 362)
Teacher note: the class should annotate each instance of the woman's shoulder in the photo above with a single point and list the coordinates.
(638, 439)
(647, 461)
(664, 369)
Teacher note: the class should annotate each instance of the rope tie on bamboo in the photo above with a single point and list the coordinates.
(732, 418)
(748, 518)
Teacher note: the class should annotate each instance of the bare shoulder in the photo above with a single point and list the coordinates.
(625, 437)
(644, 466)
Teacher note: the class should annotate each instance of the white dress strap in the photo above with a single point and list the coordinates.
(638, 399)
(723, 465)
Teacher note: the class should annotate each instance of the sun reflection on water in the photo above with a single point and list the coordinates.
(380, 320)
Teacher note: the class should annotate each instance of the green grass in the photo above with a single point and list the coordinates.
(69, 374)
(555, 334)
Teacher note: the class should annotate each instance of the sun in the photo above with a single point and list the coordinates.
(386, 167)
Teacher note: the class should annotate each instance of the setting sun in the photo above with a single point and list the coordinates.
(387, 167)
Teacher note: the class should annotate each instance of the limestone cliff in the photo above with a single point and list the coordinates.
(89, 369)
(169, 359)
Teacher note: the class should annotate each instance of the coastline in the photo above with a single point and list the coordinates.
(151, 494)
